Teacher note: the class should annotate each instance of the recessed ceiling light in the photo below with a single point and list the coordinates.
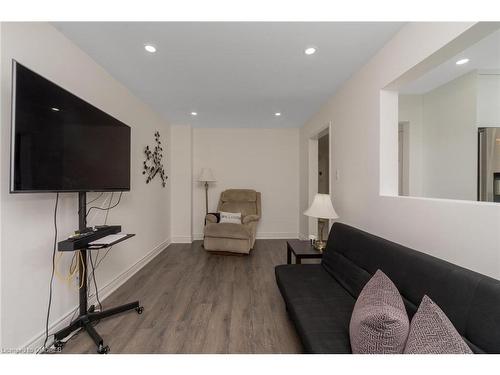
(194, 113)
(277, 114)
(462, 61)
(310, 50)
(150, 48)
(55, 109)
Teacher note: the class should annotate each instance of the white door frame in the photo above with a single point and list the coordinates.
(312, 186)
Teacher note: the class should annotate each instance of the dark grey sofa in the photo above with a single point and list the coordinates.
(320, 297)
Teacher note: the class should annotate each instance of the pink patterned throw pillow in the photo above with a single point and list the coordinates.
(431, 332)
(379, 322)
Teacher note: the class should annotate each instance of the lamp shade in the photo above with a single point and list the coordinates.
(321, 207)
(206, 175)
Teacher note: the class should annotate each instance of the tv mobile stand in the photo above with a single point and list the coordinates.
(88, 315)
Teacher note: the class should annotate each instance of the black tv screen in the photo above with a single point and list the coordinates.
(61, 143)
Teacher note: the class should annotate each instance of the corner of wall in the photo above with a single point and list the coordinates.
(388, 143)
(181, 157)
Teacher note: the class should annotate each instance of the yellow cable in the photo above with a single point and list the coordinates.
(83, 268)
(72, 270)
(65, 279)
(72, 273)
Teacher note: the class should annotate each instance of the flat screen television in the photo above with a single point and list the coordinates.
(61, 143)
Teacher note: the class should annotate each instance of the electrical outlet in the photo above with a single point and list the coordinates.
(337, 175)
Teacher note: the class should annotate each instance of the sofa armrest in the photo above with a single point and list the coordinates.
(210, 218)
(247, 219)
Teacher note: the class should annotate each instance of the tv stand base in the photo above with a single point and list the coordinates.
(85, 322)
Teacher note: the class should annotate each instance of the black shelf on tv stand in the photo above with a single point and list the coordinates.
(75, 244)
(88, 315)
(104, 246)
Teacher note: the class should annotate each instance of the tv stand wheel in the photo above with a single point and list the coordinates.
(58, 344)
(103, 349)
(139, 309)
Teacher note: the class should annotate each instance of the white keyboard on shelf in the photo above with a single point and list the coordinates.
(107, 240)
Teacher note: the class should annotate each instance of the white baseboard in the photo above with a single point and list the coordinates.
(182, 239)
(105, 291)
(197, 236)
(261, 236)
(303, 236)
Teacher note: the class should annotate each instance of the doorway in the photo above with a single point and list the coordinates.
(319, 172)
(324, 164)
(323, 170)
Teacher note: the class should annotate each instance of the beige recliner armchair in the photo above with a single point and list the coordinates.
(230, 237)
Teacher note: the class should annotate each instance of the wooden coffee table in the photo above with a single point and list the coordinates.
(301, 250)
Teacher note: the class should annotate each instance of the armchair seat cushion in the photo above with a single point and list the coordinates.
(228, 230)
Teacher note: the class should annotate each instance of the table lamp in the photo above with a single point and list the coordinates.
(206, 176)
(321, 208)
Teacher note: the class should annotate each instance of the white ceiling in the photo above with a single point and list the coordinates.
(232, 74)
(483, 55)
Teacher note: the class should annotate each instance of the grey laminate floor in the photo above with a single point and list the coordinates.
(200, 303)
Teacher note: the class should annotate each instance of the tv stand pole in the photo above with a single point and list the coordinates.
(87, 315)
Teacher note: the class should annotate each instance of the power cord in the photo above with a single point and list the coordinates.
(105, 209)
(98, 252)
(95, 283)
(104, 256)
(52, 274)
(92, 201)
(97, 263)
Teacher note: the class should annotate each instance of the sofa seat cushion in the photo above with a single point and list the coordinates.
(227, 230)
(318, 305)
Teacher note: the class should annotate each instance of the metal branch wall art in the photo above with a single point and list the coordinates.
(152, 165)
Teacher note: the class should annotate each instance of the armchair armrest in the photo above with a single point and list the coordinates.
(247, 219)
(210, 218)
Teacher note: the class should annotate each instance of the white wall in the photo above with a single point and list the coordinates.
(26, 219)
(462, 232)
(181, 188)
(304, 182)
(411, 111)
(443, 139)
(262, 159)
(449, 140)
(488, 99)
